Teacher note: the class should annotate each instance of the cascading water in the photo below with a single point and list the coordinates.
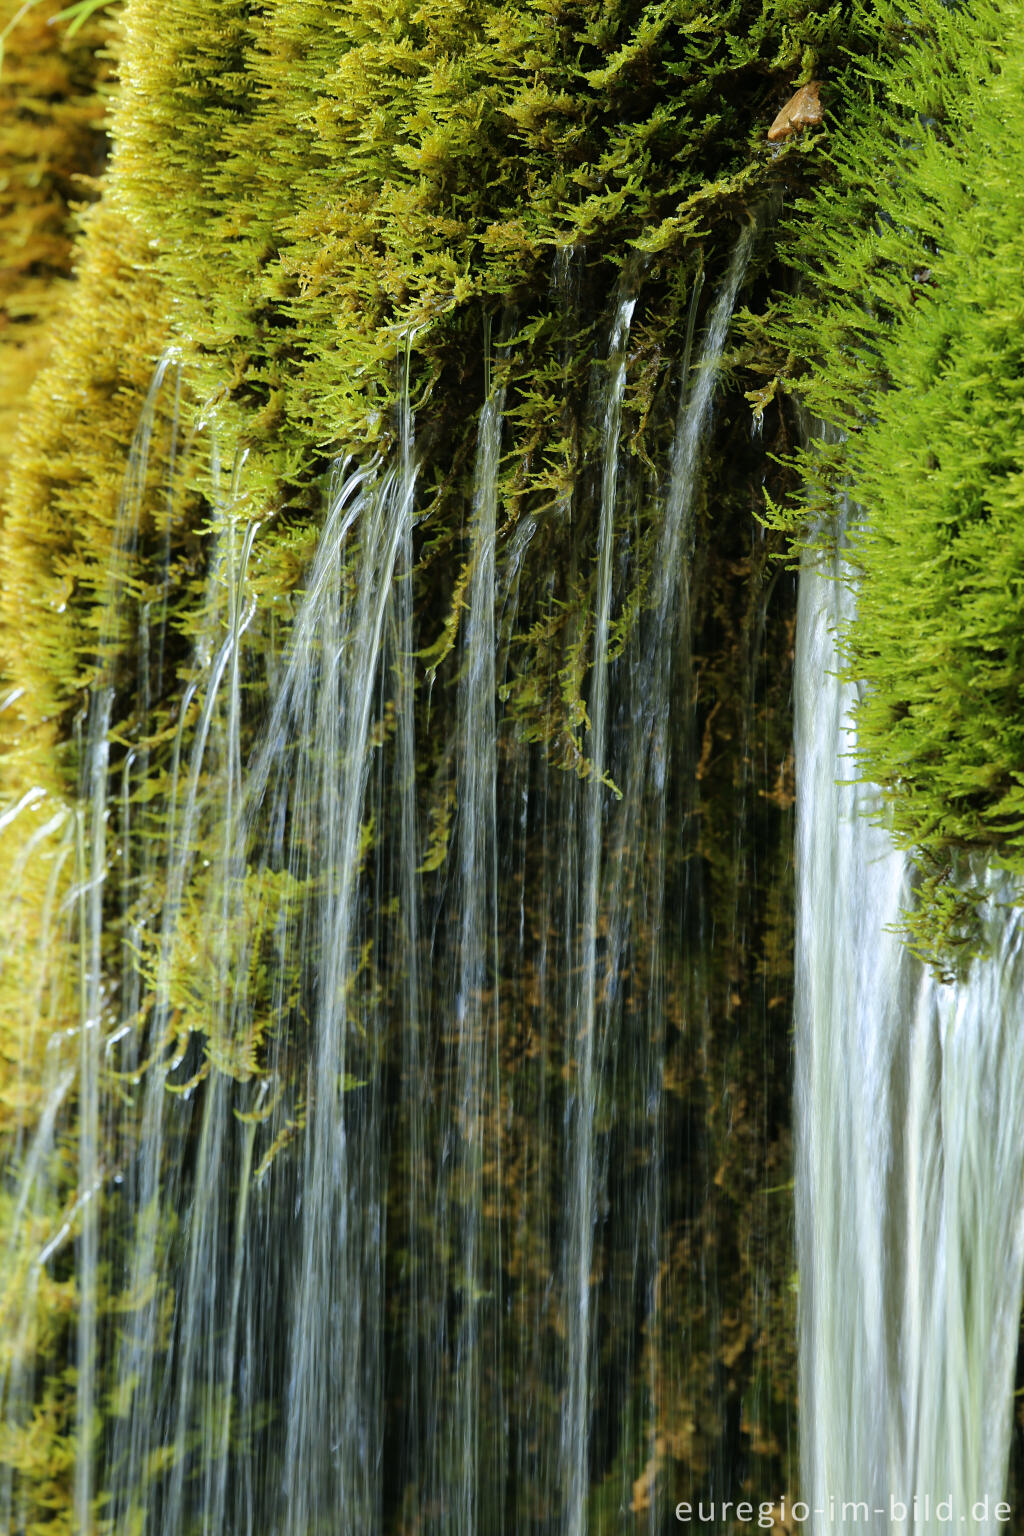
(470, 1180)
(910, 1170)
(636, 830)
(581, 1176)
(394, 1156)
(397, 781)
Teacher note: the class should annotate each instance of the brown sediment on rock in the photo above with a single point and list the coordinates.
(802, 110)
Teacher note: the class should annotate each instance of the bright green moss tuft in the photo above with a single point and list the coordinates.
(911, 316)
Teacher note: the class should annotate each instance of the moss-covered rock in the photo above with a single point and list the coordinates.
(909, 327)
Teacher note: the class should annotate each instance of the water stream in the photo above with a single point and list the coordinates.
(910, 1173)
(398, 1124)
(386, 1158)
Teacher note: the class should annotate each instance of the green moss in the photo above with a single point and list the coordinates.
(909, 327)
(51, 146)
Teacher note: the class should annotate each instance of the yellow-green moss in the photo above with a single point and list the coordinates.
(52, 144)
(909, 329)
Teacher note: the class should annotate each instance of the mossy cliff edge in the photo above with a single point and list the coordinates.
(308, 204)
(905, 338)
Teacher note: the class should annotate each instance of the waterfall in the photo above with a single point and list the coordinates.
(383, 1170)
(910, 1123)
(582, 1151)
(637, 831)
(330, 1456)
(476, 1454)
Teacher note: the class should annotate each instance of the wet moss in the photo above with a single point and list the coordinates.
(905, 340)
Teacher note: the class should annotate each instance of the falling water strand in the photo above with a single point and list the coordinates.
(158, 1413)
(696, 398)
(195, 1355)
(663, 725)
(582, 1151)
(476, 1005)
(414, 1068)
(92, 873)
(669, 622)
(333, 1441)
(910, 1124)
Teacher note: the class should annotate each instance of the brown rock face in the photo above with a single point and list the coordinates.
(803, 110)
